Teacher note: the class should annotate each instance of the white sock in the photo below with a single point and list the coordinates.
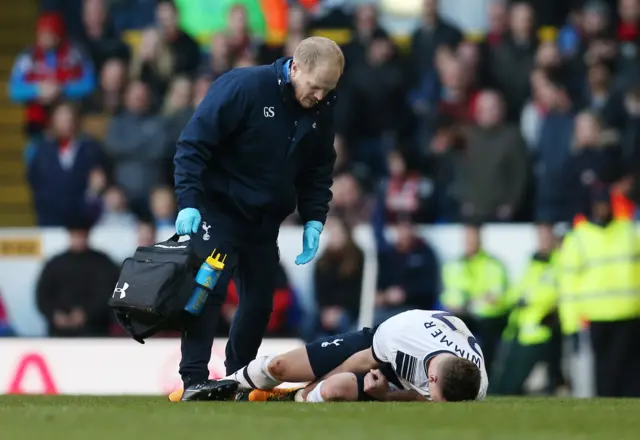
(315, 395)
(256, 375)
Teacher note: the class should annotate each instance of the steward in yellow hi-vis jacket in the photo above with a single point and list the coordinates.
(475, 289)
(599, 285)
(527, 338)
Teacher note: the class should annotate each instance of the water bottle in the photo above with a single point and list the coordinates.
(206, 280)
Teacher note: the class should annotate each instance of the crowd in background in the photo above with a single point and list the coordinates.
(518, 125)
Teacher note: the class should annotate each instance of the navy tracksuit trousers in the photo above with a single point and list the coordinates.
(252, 260)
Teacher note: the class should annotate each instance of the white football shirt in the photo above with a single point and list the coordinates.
(410, 339)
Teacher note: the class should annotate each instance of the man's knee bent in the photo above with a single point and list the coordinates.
(279, 368)
(340, 388)
(291, 367)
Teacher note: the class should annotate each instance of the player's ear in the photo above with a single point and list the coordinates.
(433, 378)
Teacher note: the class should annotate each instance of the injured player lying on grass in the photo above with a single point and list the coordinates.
(419, 355)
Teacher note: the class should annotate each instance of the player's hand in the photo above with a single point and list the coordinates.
(376, 385)
(310, 242)
(188, 221)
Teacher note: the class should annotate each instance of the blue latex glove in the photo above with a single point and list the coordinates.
(310, 242)
(188, 221)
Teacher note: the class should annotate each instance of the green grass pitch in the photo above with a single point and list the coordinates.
(153, 418)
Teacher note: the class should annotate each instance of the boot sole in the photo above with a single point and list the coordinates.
(221, 390)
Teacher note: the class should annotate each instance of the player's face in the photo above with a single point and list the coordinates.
(435, 391)
(312, 86)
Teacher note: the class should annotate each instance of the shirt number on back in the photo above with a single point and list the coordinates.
(442, 317)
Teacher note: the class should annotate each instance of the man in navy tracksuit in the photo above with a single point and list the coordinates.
(259, 144)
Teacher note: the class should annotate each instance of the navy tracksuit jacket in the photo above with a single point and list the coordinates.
(247, 158)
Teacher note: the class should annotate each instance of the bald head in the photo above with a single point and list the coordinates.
(317, 66)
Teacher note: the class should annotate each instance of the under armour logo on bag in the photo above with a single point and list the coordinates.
(121, 290)
(205, 228)
(335, 342)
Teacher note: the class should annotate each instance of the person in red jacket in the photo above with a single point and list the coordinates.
(52, 70)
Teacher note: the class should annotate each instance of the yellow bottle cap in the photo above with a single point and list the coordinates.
(216, 261)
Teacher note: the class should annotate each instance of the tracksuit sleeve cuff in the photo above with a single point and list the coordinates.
(187, 201)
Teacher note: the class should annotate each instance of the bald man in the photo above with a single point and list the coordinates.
(259, 144)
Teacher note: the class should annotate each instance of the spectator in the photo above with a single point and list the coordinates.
(570, 34)
(629, 26)
(6, 331)
(534, 111)
(630, 142)
(99, 36)
(138, 147)
(146, 232)
(297, 30)
(366, 27)
(240, 40)
(153, 63)
(457, 99)
(405, 192)
(408, 274)
(185, 52)
(512, 60)
(178, 109)
(591, 161)
(163, 206)
(108, 98)
(349, 201)
(74, 286)
(114, 209)
(433, 32)
(338, 280)
(497, 16)
(552, 152)
(599, 96)
(66, 172)
(373, 105)
(470, 56)
(53, 69)
(494, 177)
(200, 88)
(444, 163)
(284, 306)
(549, 60)
(219, 60)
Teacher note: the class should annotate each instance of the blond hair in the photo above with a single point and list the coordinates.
(311, 51)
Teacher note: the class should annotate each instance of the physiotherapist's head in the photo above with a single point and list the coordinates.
(317, 65)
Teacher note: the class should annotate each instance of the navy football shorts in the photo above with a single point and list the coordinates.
(328, 353)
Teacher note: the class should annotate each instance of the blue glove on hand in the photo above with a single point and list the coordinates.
(188, 221)
(310, 242)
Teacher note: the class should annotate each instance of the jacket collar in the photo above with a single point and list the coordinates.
(283, 68)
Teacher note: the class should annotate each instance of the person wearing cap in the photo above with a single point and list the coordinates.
(475, 289)
(259, 144)
(599, 291)
(533, 318)
(52, 70)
